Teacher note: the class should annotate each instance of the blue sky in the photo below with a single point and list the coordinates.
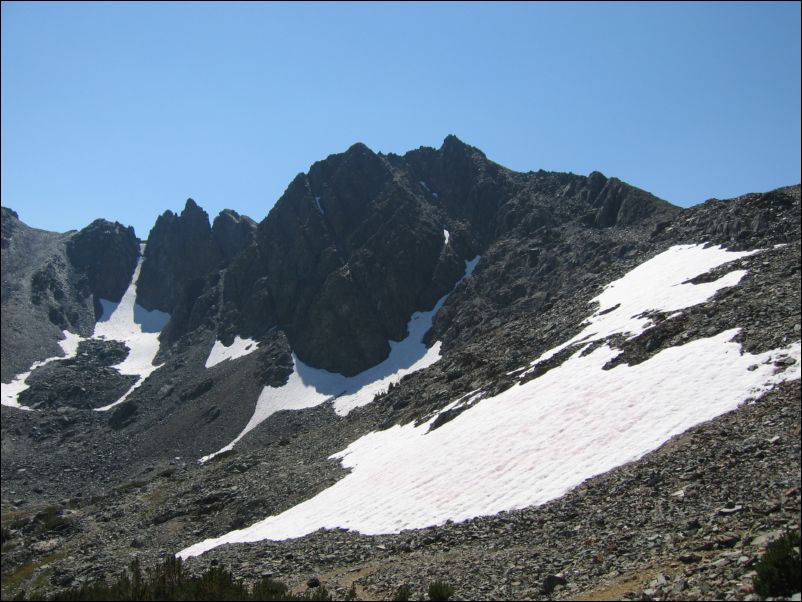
(123, 110)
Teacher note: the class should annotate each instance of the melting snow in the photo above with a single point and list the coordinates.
(308, 387)
(125, 321)
(535, 441)
(126, 324)
(446, 235)
(238, 348)
(10, 391)
(658, 284)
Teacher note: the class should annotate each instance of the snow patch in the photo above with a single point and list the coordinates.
(446, 235)
(537, 440)
(239, 348)
(526, 446)
(662, 284)
(317, 204)
(426, 188)
(125, 321)
(132, 324)
(308, 387)
(9, 392)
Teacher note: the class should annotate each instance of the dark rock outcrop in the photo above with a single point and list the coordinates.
(85, 381)
(9, 221)
(53, 282)
(180, 248)
(755, 220)
(107, 253)
(184, 248)
(232, 232)
(349, 252)
(42, 295)
(357, 245)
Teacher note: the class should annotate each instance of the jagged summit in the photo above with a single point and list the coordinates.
(454, 146)
(184, 248)
(191, 205)
(488, 359)
(232, 232)
(108, 253)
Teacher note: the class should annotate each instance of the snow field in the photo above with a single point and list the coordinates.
(122, 326)
(124, 321)
(308, 387)
(537, 440)
(9, 392)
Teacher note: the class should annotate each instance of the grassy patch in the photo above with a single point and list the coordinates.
(15, 519)
(24, 572)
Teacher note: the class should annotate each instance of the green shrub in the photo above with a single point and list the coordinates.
(168, 581)
(778, 572)
(439, 590)
(403, 594)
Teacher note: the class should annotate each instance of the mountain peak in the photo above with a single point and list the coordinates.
(453, 146)
(442, 298)
(359, 148)
(451, 141)
(9, 212)
(192, 207)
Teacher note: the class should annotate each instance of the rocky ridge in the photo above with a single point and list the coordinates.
(127, 483)
(363, 240)
(52, 282)
(182, 249)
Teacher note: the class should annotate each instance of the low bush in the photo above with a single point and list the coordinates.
(168, 581)
(439, 590)
(778, 572)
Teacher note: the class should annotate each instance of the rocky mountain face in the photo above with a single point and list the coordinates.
(183, 248)
(362, 241)
(330, 280)
(107, 253)
(53, 282)
(232, 232)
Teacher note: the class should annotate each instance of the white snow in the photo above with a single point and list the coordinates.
(317, 204)
(125, 324)
(239, 348)
(658, 284)
(308, 387)
(426, 188)
(446, 235)
(125, 321)
(536, 440)
(9, 392)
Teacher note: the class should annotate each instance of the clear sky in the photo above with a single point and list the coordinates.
(122, 110)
